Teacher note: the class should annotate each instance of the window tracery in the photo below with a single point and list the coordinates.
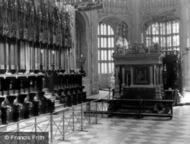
(107, 36)
(165, 33)
(105, 48)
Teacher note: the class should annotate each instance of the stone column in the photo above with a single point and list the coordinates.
(93, 51)
(184, 36)
(135, 21)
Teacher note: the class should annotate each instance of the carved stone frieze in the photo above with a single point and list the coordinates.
(121, 7)
(151, 5)
(159, 16)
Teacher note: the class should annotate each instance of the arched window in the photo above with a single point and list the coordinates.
(122, 30)
(105, 49)
(166, 34)
(122, 35)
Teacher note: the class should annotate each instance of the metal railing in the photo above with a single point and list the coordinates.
(64, 121)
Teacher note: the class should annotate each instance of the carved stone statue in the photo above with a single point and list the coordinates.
(121, 45)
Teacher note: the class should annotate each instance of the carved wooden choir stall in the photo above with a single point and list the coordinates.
(35, 45)
(138, 84)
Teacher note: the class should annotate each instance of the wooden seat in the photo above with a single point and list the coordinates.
(46, 105)
(32, 81)
(13, 115)
(10, 84)
(2, 85)
(73, 96)
(23, 84)
(34, 110)
(42, 104)
(79, 95)
(68, 97)
(62, 96)
(3, 111)
(25, 106)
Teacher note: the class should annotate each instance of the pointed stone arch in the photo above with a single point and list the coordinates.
(82, 23)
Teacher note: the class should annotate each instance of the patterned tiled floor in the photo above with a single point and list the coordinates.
(148, 130)
(115, 130)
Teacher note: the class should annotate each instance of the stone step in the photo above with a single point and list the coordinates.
(58, 104)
